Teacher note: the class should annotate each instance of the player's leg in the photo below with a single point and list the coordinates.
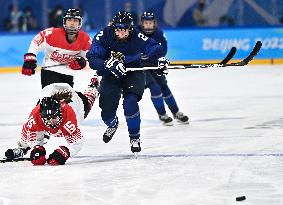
(133, 88)
(169, 99)
(90, 94)
(110, 94)
(157, 98)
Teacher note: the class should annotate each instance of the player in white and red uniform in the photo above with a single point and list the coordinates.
(55, 120)
(64, 49)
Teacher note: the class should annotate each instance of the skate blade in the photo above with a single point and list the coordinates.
(168, 123)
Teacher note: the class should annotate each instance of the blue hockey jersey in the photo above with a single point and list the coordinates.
(137, 44)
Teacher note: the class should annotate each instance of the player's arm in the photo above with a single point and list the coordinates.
(74, 138)
(97, 54)
(163, 42)
(31, 132)
(80, 61)
(36, 45)
(151, 48)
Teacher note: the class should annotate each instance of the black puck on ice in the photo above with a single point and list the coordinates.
(240, 198)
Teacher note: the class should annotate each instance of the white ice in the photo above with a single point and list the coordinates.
(232, 147)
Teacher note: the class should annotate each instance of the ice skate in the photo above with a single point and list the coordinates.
(109, 133)
(166, 120)
(179, 116)
(135, 145)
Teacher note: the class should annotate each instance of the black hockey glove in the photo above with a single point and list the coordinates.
(37, 155)
(59, 156)
(29, 65)
(163, 64)
(78, 63)
(16, 152)
(115, 67)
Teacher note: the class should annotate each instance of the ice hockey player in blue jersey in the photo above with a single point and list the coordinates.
(114, 49)
(157, 83)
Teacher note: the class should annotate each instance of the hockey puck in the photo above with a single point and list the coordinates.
(240, 198)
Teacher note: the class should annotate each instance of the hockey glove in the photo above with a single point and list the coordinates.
(78, 63)
(37, 155)
(59, 156)
(16, 152)
(29, 65)
(115, 67)
(163, 64)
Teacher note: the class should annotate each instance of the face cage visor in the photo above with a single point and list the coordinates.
(52, 120)
(149, 31)
(69, 30)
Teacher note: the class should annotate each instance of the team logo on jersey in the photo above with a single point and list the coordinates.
(38, 39)
(62, 58)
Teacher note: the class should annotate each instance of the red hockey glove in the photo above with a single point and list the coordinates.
(78, 63)
(29, 65)
(59, 156)
(37, 155)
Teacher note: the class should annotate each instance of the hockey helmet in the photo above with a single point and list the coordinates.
(148, 16)
(123, 20)
(50, 112)
(72, 13)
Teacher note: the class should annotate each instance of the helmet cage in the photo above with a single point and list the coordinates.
(148, 16)
(75, 14)
(123, 20)
(50, 112)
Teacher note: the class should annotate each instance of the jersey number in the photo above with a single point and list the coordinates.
(99, 35)
(70, 127)
(47, 32)
(143, 37)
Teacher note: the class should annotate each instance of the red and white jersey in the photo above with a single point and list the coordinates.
(57, 50)
(34, 129)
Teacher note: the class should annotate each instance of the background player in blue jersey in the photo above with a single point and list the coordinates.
(156, 82)
(114, 49)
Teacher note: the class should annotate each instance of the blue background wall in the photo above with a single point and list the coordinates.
(185, 45)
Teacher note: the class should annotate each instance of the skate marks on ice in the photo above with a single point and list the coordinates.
(251, 178)
(10, 124)
(219, 119)
(4, 201)
(273, 124)
(111, 158)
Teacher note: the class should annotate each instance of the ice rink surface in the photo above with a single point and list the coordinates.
(232, 147)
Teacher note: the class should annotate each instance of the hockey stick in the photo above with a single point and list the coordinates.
(229, 56)
(243, 62)
(51, 66)
(4, 160)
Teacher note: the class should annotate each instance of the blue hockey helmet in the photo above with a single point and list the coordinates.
(123, 20)
(148, 16)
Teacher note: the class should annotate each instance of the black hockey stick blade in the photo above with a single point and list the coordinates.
(244, 62)
(254, 52)
(4, 160)
(229, 56)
